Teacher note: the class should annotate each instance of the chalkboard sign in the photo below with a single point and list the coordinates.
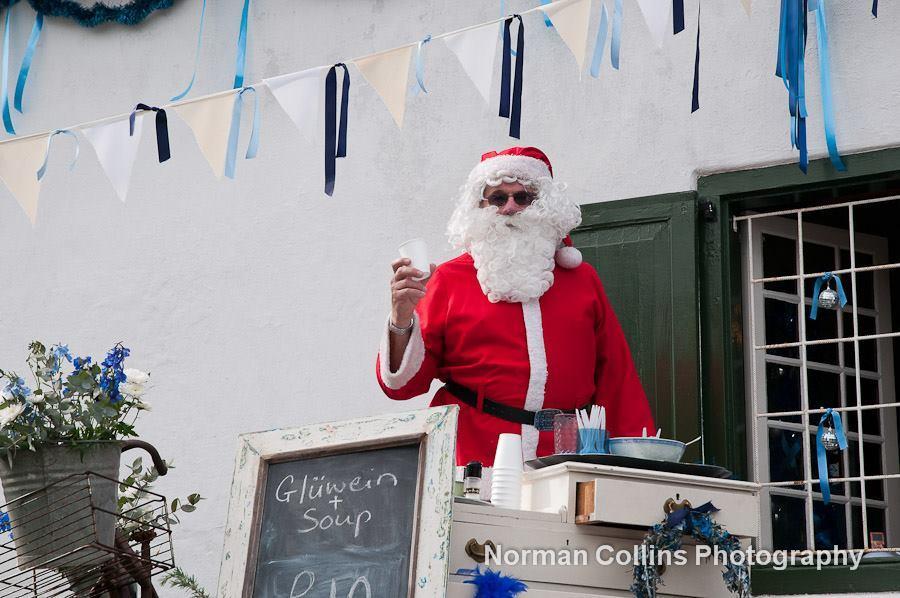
(339, 520)
(353, 509)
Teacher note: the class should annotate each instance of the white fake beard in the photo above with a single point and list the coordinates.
(514, 255)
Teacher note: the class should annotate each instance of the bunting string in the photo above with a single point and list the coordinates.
(43, 168)
(162, 130)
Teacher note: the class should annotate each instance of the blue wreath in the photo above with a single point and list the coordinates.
(131, 13)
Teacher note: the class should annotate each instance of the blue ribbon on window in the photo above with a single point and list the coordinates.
(335, 134)
(790, 68)
(242, 48)
(419, 85)
(511, 103)
(616, 35)
(196, 54)
(27, 58)
(43, 169)
(820, 449)
(162, 130)
(817, 289)
(4, 72)
(235, 131)
(677, 16)
(600, 43)
(825, 82)
(695, 90)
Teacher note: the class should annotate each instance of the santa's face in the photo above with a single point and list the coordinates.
(513, 242)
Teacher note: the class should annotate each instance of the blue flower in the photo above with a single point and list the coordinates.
(16, 389)
(81, 362)
(62, 352)
(113, 373)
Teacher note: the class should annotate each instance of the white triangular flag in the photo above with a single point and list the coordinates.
(388, 73)
(476, 49)
(746, 4)
(116, 150)
(656, 14)
(19, 163)
(571, 20)
(299, 95)
(210, 120)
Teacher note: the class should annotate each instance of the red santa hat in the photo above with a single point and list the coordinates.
(526, 165)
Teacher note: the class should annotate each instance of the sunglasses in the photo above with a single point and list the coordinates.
(522, 198)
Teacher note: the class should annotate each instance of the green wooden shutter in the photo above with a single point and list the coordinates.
(645, 252)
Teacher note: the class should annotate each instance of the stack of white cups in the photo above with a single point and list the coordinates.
(506, 477)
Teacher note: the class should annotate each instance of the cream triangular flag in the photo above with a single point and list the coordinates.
(116, 150)
(746, 4)
(210, 120)
(475, 49)
(19, 163)
(656, 14)
(571, 20)
(299, 95)
(388, 73)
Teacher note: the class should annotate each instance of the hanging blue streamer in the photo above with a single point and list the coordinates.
(600, 43)
(511, 102)
(677, 16)
(27, 58)
(821, 453)
(335, 133)
(163, 152)
(196, 54)
(791, 69)
(616, 35)
(817, 289)
(419, 85)
(4, 72)
(695, 91)
(547, 20)
(235, 131)
(242, 48)
(825, 81)
(43, 169)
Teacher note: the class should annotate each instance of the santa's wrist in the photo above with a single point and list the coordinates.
(400, 325)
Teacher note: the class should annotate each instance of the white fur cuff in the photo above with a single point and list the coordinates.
(412, 357)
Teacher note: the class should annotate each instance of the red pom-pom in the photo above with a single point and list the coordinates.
(568, 257)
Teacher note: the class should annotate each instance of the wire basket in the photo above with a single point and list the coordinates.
(67, 539)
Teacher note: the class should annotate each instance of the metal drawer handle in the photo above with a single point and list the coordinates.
(670, 505)
(476, 551)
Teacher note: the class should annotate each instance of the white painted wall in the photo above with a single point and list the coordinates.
(257, 303)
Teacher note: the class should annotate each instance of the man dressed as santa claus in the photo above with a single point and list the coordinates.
(517, 325)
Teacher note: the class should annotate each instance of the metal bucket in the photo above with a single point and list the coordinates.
(59, 516)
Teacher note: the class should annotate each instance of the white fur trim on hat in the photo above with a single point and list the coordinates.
(568, 257)
(522, 168)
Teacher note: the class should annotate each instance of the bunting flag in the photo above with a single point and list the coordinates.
(210, 121)
(511, 100)
(19, 162)
(116, 150)
(388, 73)
(476, 49)
(656, 14)
(746, 4)
(299, 95)
(571, 20)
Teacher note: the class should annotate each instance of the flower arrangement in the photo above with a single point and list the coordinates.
(89, 402)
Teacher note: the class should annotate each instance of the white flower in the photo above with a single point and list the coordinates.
(131, 389)
(141, 406)
(36, 398)
(9, 414)
(135, 383)
(136, 376)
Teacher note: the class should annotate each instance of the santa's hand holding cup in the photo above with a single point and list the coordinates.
(407, 289)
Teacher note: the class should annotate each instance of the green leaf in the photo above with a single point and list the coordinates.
(188, 508)
(175, 503)
(194, 498)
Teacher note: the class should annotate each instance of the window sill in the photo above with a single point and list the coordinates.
(869, 577)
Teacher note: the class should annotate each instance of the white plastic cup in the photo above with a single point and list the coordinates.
(417, 252)
(509, 453)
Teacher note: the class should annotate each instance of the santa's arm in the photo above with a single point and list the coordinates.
(618, 386)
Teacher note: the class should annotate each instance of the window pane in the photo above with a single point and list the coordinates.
(872, 455)
(823, 327)
(868, 349)
(829, 525)
(871, 418)
(785, 456)
(817, 258)
(779, 259)
(781, 327)
(824, 391)
(835, 461)
(875, 522)
(783, 390)
(788, 523)
(865, 280)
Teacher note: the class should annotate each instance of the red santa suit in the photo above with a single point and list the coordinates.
(563, 350)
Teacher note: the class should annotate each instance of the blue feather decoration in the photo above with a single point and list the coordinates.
(493, 584)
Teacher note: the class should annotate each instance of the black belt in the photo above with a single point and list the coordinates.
(541, 419)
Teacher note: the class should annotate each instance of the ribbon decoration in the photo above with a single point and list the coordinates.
(43, 168)
(820, 450)
(420, 66)
(817, 288)
(196, 54)
(242, 48)
(616, 35)
(335, 133)
(4, 72)
(600, 44)
(875, 8)
(511, 104)
(677, 16)
(235, 131)
(676, 518)
(825, 83)
(547, 20)
(695, 91)
(27, 58)
(162, 130)
(790, 68)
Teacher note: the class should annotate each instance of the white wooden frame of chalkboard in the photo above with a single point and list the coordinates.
(434, 429)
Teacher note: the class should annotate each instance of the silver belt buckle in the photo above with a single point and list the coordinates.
(543, 419)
